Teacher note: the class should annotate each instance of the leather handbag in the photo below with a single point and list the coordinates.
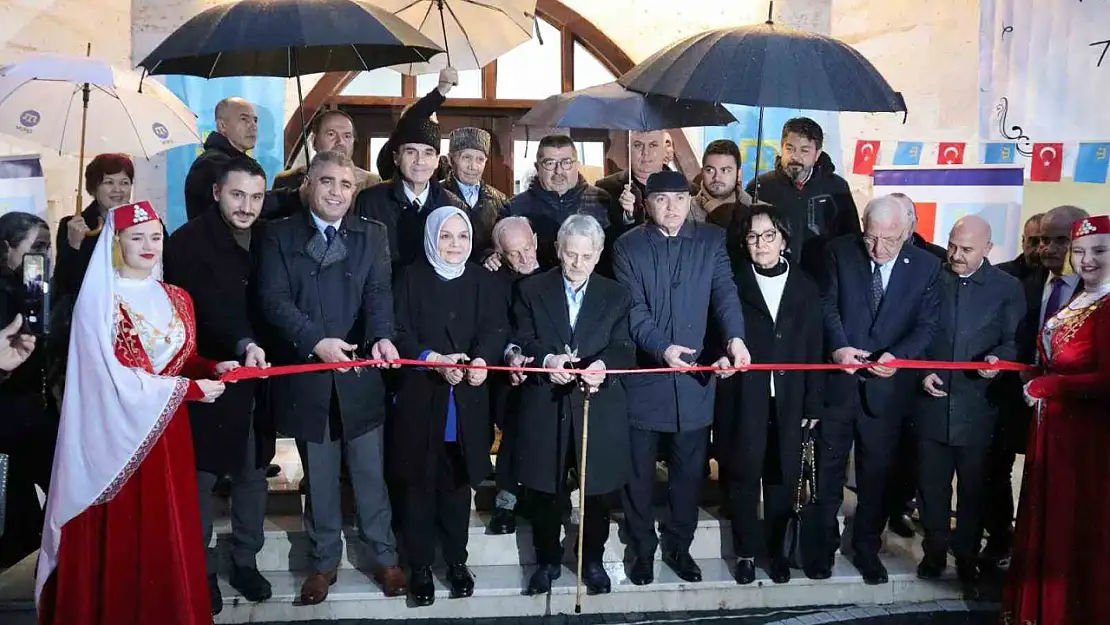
(800, 525)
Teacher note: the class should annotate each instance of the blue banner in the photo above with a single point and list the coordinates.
(744, 132)
(1092, 163)
(908, 153)
(201, 95)
(999, 153)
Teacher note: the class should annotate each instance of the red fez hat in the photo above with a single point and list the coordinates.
(134, 214)
(1100, 224)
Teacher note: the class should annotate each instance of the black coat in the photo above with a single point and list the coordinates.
(551, 416)
(547, 211)
(387, 203)
(483, 215)
(465, 315)
(745, 398)
(203, 258)
(71, 264)
(820, 211)
(934, 249)
(204, 173)
(979, 316)
(304, 298)
(1018, 268)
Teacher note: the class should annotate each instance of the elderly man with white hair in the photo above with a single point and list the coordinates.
(573, 323)
(880, 303)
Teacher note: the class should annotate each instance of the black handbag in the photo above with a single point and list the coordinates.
(800, 526)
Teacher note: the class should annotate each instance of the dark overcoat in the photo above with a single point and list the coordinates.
(387, 203)
(205, 171)
(483, 215)
(203, 258)
(308, 291)
(796, 337)
(979, 316)
(551, 415)
(465, 315)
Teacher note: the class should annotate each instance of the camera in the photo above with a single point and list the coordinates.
(36, 298)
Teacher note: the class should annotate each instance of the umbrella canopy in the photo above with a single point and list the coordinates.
(766, 65)
(288, 38)
(612, 107)
(473, 32)
(41, 100)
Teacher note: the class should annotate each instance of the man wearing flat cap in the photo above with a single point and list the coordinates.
(469, 151)
(678, 272)
(404, 202)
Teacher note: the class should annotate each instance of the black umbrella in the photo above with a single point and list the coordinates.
(289, 38)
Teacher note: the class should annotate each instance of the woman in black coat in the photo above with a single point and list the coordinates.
(569, 307)
(447, 311)
(761, 413)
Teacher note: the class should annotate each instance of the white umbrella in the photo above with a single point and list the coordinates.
(473, 32)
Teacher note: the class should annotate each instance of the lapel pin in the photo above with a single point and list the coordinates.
(906, 260)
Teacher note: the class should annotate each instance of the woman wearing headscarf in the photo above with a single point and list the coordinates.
(121, 545)
(447, 311)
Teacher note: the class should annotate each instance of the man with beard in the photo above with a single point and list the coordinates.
(1029, 260)
(649, 154)
(236, 133)
(210, 258)
(330, 131)
(468, 152)
(720, 190)
(817, 203)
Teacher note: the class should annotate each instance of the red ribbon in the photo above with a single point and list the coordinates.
(247, 373)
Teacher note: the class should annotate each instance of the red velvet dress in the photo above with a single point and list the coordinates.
(1060, 573)
(137, 559)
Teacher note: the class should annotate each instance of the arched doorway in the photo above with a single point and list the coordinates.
(569, 53)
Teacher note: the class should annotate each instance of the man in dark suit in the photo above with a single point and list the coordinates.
(628, 190)
(323, 282)
(980, 308)
(1029, 260)
(235, 135)
(210, 258)
(880, 303)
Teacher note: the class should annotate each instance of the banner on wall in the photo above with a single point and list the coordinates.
(268, 97)
(22, 186)
(943, 195)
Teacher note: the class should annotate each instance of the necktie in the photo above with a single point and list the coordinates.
(1055, 299)
(329, 233)
(416, 204)
(876, 289)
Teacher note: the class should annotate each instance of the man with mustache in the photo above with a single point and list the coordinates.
(236, 134)
(817, 203)
(720, 190)
(210, 258)
(1029, 260)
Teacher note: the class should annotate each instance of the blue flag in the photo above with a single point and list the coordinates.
(1092, 163)
(999, 153)
(908, 153)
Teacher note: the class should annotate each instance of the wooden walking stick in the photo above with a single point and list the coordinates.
(587, 390)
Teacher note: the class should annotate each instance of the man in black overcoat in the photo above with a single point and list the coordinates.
(235, 135)
(980, 308)
(323, 283)
(210, 258)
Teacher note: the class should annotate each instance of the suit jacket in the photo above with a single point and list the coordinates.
(387, 203)
(551, 416)
(904, 325)
(205, 171)
(203, 258)
(308, 291)
(483, 215)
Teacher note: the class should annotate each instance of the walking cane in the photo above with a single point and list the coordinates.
(586, 391)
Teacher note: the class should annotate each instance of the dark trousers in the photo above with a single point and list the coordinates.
(438, 513)
(248, 509)
(506, 411)
(875, 439)
(998, 493)
(938, 463)
(752, 538)
(546, 513)
(902, 483)
(685, 473)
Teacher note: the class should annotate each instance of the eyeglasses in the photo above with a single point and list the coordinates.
(887, 241)
(767, 236)
(548, 164)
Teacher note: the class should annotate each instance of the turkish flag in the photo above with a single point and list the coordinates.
(950, 153)
(1046, 162)
(867, 153)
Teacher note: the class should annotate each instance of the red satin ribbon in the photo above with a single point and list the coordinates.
(247, 373)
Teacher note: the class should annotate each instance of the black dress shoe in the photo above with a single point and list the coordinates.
(540, 583)
(872, 569)
(214, 595)
(821, 569)
(250, 583)
(932, 567)
(461, 581)
(642, 571)
(422, 587)
(902, 525)
(683, 565)
(596, 579)
(779, 571)
(967, 569)
(502, 522)
(745, 571)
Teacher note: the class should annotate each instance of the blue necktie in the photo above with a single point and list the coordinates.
(876, 289)
(1055, 299)
(329, 233)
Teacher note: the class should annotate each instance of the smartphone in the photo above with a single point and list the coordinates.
(36, 308)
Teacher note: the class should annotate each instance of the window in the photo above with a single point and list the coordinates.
(532, 71)
(379, 82)
(470, 84)
(588, 71)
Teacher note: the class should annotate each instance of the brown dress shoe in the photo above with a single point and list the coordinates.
(392, 581)
(315, 589)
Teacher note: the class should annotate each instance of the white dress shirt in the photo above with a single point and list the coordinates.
(422, 197)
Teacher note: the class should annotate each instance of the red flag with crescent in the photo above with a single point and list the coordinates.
(1046, 162)
(867, 154)
(950, 153)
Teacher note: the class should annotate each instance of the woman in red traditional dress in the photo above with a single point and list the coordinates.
(121, 544)
(1060, 573)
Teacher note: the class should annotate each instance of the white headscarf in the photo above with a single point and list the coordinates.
(444, 269)
(111, 414)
